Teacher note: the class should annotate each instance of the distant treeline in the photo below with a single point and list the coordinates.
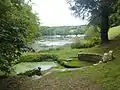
(62, 30)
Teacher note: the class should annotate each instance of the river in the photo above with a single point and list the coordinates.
(48, 42)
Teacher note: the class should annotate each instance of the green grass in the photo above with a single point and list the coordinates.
(68, 53)
(65, 53)
(105, 76)
(78, 63)
(58, 67)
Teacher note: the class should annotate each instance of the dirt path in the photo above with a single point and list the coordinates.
(50, 81)
(71, 81)
(57, 70)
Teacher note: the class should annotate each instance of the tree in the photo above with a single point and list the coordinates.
(16, 24)
(115, 17)
(95, 10)
(33, 24)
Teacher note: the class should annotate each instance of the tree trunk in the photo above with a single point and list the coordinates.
(104, 27)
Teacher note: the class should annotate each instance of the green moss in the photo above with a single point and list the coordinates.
(77, 63)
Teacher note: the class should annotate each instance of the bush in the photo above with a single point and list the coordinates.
(79, 45)
(95, 40)
(86, 43)
(48, 57)
(37, 57)
(93, 31)
(31, 73)
(92, 38)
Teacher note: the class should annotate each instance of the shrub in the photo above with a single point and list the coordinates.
(86, 43)
(95, 40)
(93, 31)
(31, 72)
(37, 57)
(92, 38)
(29, 57)
(83, 45)
(48, 57)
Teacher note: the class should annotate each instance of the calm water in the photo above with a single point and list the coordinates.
(22, 67)
(48, 42)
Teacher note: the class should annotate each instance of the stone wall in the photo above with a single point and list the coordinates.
(90, 57)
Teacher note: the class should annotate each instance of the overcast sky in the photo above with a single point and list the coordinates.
(55, 13)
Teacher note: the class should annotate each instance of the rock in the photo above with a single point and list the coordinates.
(110, 55)
(96, 64)
(68, 59)
(90, 57)
(100, 62)
(105, 57)
(65, 62)
(36, 77)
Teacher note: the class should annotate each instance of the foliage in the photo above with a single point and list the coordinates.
(92, 38)
(37, 57)
(15, 27)
(92, 31)
(84, 44)
(97, 11)
(31, 73)
(11, 38)
(93, 35)
(91, 7)
(62, 30)
(48, 57)
(115, 17)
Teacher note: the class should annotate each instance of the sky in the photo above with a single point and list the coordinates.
(55, 13)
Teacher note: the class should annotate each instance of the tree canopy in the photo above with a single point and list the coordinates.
(96, 11)
(18, 26)
(62, 30)
(115, 16)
